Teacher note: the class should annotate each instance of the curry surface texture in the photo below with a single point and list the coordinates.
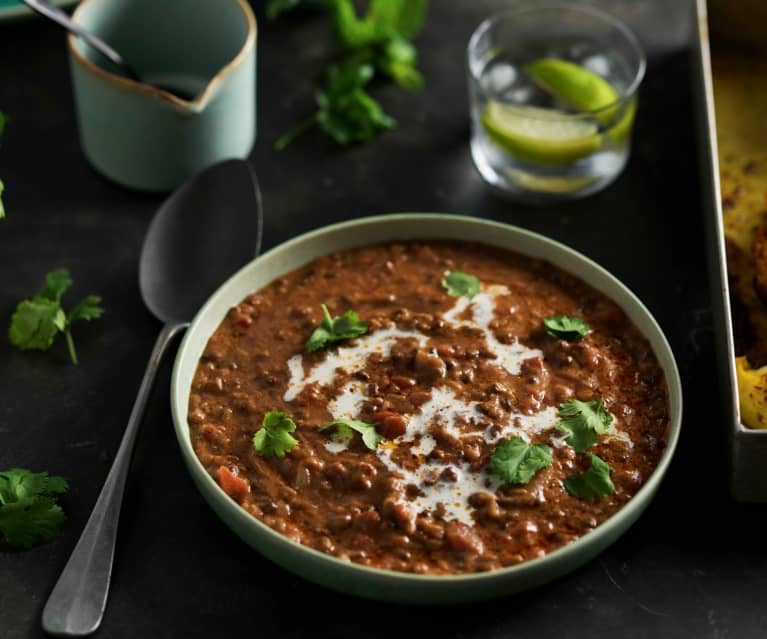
(445, 379)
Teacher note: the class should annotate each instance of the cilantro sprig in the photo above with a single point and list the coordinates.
(516, 462)
(345, 111)
(458, 283)
(335, 329)
(595, 483)
(382, 36)
(568, 328)
(345, 429)
(29, 514)
(377, 42)
(583, 422)
(37, 321)
(274, 438)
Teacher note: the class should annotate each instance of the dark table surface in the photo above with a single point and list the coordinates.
(694, 565)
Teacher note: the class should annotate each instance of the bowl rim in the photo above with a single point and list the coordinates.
(610, 528)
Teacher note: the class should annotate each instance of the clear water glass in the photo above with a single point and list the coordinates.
(527, 138)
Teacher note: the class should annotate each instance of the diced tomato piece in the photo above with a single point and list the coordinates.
(234, 485)
(532, 366)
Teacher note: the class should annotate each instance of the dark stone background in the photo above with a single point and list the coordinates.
(694, 565)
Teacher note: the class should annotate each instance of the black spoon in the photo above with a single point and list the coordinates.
(203, 233)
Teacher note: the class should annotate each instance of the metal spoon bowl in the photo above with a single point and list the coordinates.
(203, 233)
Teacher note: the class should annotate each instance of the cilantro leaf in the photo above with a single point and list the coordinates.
(36, 322)
(29, 514)
(406, 17)
(345, 431)
(274, 437)
(516, 462)
(459, 283)
(583, 422)
(396, 58)
(56, 284)
(382, 35)
(335, 329)
(346, 111)
(595, 483)
(86, 309)
(353, 32)
(377, 41)
(384, 18)
(19, 483)
(31, 521)
(566, 327)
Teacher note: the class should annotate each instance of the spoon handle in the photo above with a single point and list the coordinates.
(62, 19)
(76, 604)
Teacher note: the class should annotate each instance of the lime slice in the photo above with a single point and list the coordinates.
(583, 89)
(549, 184)
(539, 136)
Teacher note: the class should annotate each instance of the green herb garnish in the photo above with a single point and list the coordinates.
(405, 17)
(459, 283)
(382, 36)
(274, 437)
(566, 327)
(345, 111)
(335, 329)
(29, 514)
(595, 483)
(345, 429)
(38, 321)
(377, 42)
(516, 462)
(583, 422)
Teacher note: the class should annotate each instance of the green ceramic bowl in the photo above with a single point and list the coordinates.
(383, 584)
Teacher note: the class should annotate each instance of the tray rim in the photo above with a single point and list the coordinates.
(748, 447)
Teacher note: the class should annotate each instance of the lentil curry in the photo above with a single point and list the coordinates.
(439, 381)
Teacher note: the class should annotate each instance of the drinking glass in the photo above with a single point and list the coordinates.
(553, 96)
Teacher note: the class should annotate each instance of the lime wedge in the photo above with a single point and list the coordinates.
(539, 136)
(581, 88)
(549, 184)
(622, 128)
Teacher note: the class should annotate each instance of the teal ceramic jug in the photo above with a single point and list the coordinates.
(196, 104)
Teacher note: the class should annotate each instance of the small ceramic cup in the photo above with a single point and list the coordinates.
(202, 51)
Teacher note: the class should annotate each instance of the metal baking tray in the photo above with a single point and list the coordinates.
(747, 447)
